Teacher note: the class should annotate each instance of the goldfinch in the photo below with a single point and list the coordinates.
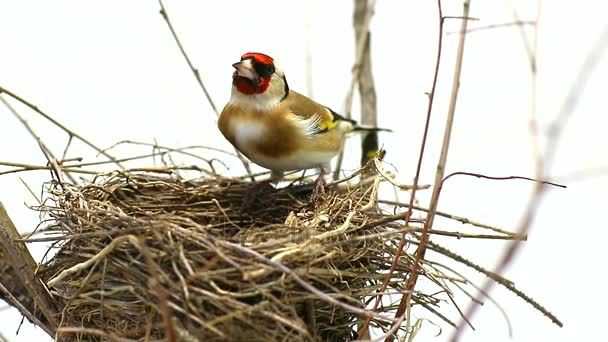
(276, 127)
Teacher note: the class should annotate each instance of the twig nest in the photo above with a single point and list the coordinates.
(146, 256)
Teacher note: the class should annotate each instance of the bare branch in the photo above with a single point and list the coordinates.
(418, 168)
(56, 123)
(50, 157)
(24, 266)
(196, 73)
(365, 18)
(548, 155)
(420, 251)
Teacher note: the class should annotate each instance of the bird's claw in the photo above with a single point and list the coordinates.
(249, 198)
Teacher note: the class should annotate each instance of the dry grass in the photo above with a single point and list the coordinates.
(146, 254)
(143, 254)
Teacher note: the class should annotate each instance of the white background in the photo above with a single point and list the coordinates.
(111, 71)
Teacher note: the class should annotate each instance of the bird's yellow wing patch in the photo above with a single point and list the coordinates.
(309, 126)
(325, 126)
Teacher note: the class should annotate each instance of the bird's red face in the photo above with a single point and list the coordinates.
(253, 73)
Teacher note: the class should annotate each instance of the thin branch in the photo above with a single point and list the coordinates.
(56, 123)
(367, 88)
(196, 73)
(460, 219)
(420, 251)
(50, 157)
(531, 51)
(360, 45)
(520, 23)
(418, 169)
(557, 127)
(478, 175)
(20, 167)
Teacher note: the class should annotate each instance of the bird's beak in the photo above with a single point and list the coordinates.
(245, 69)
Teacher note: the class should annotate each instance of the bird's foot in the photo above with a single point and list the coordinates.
(249, 198)
(318, 190)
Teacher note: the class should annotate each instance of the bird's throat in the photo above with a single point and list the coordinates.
(250, 87)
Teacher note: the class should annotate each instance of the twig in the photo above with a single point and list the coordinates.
(56, 123)
(367, 89)
(360, 45)
(460, 219)
(391, 179)
(478, 175)
(494, 278)
(548, 155)
(97, 257)
(304, 284)
(196, 73)
(418, 169)
(50, 157)
(520, 23)
(95, 332)
(439, 175)
(487, 295)
(29, 167)
(458, 235)
(533, 120)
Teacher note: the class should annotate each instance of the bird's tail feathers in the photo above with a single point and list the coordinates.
(355, 125)
(359, 128)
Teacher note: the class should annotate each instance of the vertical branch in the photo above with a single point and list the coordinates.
(367, 90)
(409, 212)
(440, 172)
(547, 157)
(360, 43)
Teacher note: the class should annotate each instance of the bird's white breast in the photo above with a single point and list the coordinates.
(247, 132)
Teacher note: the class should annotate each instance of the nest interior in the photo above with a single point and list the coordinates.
(143, 256)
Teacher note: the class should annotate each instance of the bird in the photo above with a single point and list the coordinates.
(276, 127)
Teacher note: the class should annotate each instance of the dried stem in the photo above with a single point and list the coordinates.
(50, 157)
(194, 70)
(418, 169)
(71, 133)
(520, 23)
(557, 127)
(304, 284)
(360, 50)
(420, 251)
(197, 75)
(367, 89)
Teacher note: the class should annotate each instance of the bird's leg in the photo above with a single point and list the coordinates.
(319, 186)
(275, 176)
(260, 187)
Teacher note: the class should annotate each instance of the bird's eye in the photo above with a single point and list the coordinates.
(264, 70)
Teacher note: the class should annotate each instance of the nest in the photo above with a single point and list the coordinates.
(145, 256)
